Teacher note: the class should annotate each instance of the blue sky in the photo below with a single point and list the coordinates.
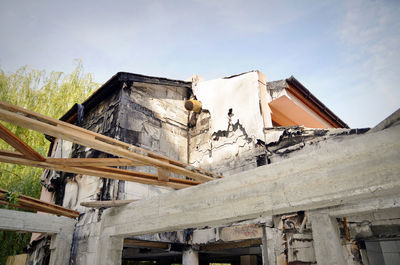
(345, 52)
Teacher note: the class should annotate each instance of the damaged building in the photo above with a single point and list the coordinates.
(278, 158)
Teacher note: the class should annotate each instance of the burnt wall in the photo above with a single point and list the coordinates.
(152, 116)
(147, 114)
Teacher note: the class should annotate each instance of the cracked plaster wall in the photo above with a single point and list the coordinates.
(239, 93)
(228, 133)
(220, 142)
(226, 152)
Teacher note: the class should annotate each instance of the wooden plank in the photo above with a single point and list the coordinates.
(41, 206)
(94, 162)
(30, 203)
(104, 172)
(81, 161)
(96, 141)
(104, 204)
(105, 139)
(143, 175)
(18, 144)
(11, 153)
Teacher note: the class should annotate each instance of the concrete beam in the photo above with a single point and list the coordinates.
(363, 207)
(60, 227)
(340, 171)
(33, 222)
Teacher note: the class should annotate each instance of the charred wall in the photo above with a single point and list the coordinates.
(145, 114)
(152, 116)
(148, 113)
(225, 151)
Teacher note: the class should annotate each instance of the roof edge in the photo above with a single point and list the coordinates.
(321, 106)
(110, 85)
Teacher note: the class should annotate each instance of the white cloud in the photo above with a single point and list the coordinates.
(372, 32)
(370, 35)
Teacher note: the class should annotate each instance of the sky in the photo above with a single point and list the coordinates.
(347, 53)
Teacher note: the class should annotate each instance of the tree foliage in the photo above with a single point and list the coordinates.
(49, 94)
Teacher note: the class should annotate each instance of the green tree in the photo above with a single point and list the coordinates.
(49, 94)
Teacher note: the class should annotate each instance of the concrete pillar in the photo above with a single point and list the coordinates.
(60, 247)
(190, 257)
(327, 243)
(248, 260)
(264, 248)
(270, 242)
(109, 251)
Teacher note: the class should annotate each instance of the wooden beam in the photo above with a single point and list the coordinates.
(18, 144)
(105, 204)
(104, 172)
(11, 154)
(94, 162)
(144, 175)
(69, 132)
(30, 203)
(338, 171)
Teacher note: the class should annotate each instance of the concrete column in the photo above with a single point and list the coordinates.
(327, 244)
(109, 250)
(265, 248)
(190, 257)
(60, 247)
(270, 242)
